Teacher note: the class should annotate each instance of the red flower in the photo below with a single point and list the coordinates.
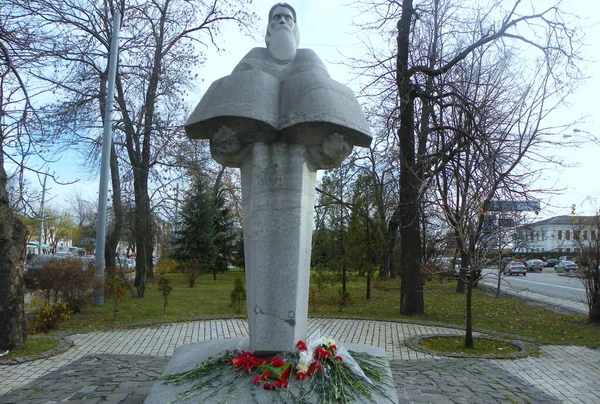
(286, 374)
(280, 384)
(333, 348)
(277, 362)
(338, 358)
(300, 376)
(269, 386)
(246, 361)
(314, 368)
(321, 353)
(257, 380)
(301, 346)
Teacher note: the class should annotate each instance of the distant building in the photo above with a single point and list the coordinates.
(560, 234)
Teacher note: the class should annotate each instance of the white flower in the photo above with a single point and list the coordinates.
(302, 367)
(328, 341)
(304, 360)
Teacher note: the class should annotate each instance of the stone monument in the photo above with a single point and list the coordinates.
(279, 117)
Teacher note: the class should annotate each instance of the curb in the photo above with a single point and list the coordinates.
(64, 345)
(525, 348)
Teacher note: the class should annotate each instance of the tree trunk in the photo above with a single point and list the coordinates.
(469, 327)
(593, 293)
(13, 233)
(462, 270)
(113, 238)
(143, 231)
(388, 267)
(411, 293)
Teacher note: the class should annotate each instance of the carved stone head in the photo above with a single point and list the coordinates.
(283, 36)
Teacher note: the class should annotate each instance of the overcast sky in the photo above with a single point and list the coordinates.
(326, 27)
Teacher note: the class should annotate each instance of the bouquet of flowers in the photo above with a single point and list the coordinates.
(318, 366)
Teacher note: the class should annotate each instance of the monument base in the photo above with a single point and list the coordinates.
(188, 356)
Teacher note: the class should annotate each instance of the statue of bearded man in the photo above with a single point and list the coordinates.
(279, 94)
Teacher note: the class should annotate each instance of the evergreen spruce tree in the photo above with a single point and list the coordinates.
(225, 235)
(237, 252)
(195, 243)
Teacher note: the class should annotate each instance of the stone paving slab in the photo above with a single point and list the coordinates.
(564, 374)
(467, 381)
(129, 378)
(93, 379)
(569, 373)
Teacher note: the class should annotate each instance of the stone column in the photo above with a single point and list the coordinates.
(278, 194)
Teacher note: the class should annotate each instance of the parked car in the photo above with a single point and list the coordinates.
(535, 265)
(565, 258)
(515, 268)
(442, 263)
(565, 266)
(130, 262)
(89, 261)
(456, 270)
(127, 264)
(551, 262)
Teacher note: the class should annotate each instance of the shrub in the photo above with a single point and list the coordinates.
(165, 289)
(238, 295)
(166, 266)
(192, 269)
(313, 297)
(77, 286)
(50, 280)
(47, 316)
(67, 281)
(115, 288)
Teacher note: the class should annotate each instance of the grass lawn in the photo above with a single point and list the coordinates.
(211, 298)
(33, 347)
(457, 345)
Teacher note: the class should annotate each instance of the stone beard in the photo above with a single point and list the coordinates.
(281, 43)
(281, 39)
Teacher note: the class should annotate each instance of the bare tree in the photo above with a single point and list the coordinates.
(586, 234)
(490, 162)
(429, 44)
(15, 106)
(160, 53)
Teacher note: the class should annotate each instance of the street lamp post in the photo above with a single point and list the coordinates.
(40, 249)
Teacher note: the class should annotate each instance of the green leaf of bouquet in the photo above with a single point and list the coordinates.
(275, 373)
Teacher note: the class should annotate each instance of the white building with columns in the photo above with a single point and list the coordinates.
(560, 234)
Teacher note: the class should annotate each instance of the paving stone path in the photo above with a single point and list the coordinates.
(93, 379)
(120, 366)
(466, 381)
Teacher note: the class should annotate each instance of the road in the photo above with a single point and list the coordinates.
(547, 283)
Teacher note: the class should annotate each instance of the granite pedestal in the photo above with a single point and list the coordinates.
(188, 356)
